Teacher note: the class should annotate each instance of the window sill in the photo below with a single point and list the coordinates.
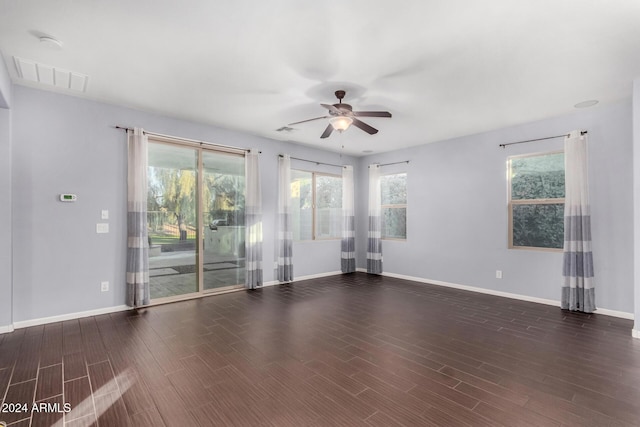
(533, 248)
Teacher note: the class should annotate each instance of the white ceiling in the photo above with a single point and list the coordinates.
(443, 68)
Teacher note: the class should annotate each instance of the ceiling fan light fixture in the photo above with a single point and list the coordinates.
(341, 123)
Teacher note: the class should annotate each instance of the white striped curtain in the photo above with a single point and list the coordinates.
(253, 221)
(348, 244)
(137, 234)
(374, 241)
(284, 250)
(578, 290)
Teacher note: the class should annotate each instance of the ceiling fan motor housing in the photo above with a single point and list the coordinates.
(344, 108)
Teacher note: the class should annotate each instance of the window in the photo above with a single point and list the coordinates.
(536, 200)
(394, 206)
(316, 205)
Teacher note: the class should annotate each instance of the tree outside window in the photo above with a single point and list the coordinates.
(394, 206)
(536, 201)
(316, 205)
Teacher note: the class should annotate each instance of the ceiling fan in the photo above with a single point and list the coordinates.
(341, 116)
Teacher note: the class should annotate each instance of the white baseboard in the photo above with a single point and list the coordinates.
(6, 329)
(70, 316)
(316, 276)
(635, 333)
(271, 283)
(297, 279)
(615, 313)
(604, 311)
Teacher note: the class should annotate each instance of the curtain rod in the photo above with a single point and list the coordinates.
(195, 141)
(583, 132)
(312, 161)
(394, 163)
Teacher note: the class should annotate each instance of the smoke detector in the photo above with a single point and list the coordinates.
(50, 42)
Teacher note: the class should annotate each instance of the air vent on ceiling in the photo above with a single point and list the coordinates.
(284, 129)
(50, 75)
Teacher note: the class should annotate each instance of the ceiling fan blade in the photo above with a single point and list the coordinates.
(365, 127)
(327, 131)
(372, 114)
(309, 120)
(332, 109)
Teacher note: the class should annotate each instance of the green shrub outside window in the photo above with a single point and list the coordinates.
(536, 201)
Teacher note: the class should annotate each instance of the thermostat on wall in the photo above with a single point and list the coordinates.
(68, 197)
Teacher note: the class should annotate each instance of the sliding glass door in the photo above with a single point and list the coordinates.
(172, 217)
(195, 214)
(223, 213)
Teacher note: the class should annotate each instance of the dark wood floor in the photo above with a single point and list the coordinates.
(340, 351)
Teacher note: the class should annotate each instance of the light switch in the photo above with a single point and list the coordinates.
(105, 214)
(102, 228)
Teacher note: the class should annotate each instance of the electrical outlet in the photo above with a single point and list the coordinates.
(102, 227)
(104, 286)
(105, 214)
(275, 265)
(498, 274)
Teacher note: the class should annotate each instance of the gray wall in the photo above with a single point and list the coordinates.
(5, 197)
(63, 144)
(636, 200)
(5, 217)
(457, 209)
(5, 86)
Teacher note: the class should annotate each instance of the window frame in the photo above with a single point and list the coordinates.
(314, 176)
(394, 206)
(511, 203)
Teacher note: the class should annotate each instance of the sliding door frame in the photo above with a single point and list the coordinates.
(199, 147)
